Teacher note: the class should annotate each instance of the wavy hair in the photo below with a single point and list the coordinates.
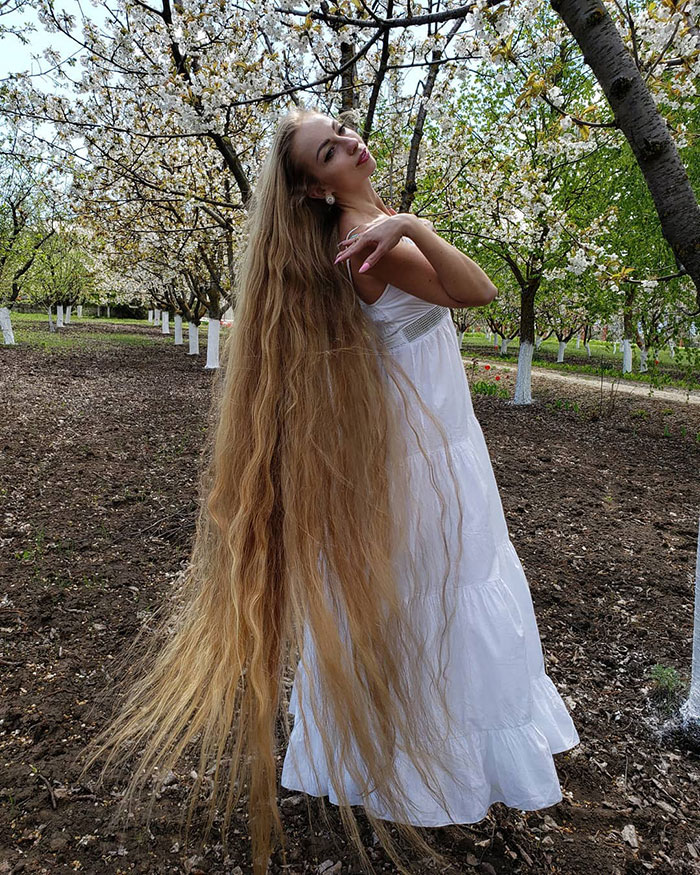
(309, 550)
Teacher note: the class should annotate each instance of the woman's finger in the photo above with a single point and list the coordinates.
(372, 259)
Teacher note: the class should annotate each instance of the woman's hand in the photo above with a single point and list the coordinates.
(378, 236)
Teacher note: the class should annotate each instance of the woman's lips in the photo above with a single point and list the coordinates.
(363, 156)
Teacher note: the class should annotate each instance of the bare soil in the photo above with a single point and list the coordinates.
(100, 448)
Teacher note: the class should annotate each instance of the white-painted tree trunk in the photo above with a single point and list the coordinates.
(109, 312)
(626, 356)
(178, 329)
(193, 333)
(68, 311)
(615, 347)
(59, 315)
(150, 315)
(504, 345)
(578, 343)
(228, 315)
(643, 354)
(460, 338)
(560, 350)
(52, 327)
(588, 348)
(213, 343)
(8, 335)
(538, 341)
(80, 311)
(523, 377)
(690, 709)
(156, 315)
(165, 322)
(99, 311)
(672, 348)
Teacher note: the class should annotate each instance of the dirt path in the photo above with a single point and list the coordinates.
(623, 386)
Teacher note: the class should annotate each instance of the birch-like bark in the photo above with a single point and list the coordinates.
(640, 121)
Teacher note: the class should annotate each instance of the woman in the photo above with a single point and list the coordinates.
(351, 520)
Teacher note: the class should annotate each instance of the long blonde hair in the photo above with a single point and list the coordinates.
(307, 547)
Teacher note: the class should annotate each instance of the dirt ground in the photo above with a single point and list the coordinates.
(100, 448)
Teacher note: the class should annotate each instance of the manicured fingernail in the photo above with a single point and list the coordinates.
(365, 266)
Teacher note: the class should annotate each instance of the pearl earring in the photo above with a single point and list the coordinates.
(330, 199)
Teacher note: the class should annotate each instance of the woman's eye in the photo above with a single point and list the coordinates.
(332, 148)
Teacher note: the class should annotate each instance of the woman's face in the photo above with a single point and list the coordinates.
(330, 151)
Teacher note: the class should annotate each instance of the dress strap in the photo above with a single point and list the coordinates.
(347, 260)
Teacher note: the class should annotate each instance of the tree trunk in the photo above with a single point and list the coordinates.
(178, 329)
(560, 350)
(8, 336)
(643, 126)
(523, 377)
(690, 709)
(214, 326)
(150, 315)
(626, 355)
(165, 323)
(193, 335)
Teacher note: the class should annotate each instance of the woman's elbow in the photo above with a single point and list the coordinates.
(489, 293)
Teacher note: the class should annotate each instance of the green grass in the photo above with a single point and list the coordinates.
(577, 361)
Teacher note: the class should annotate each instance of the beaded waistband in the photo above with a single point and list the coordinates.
(414, 329)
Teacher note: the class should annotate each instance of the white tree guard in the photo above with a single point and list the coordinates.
(213, 343)
(626, 356)
(672, 348)
(588, 348)
(523, 377)
(538, 341)
(504, 346)
(178, 329)
(193, 333)
(59, 315)
(68, 314)
(80, 311)
(643, 354)
(578, 343)
(165, 322)
(8, 335)
(690, 709)
(150, 315)
(52, 327)
(460, 338)
(156, 315)
(560, 350)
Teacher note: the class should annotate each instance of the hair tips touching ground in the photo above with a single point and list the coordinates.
(307, 543)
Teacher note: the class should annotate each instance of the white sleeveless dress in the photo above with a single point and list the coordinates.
(510, 718)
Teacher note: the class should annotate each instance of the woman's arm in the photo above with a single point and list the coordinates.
(461, 278)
